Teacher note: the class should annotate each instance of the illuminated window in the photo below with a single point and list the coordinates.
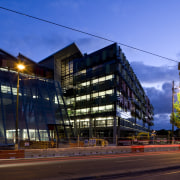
(102, 79)
(101, 123)
(60, 100)
(101, 108)
(100, 118)
(77, 111)
(102, 93)
(68, 101)
(44, 135)
(110, 122)
(95, 81)
(83, 97)
(95, 109)
(83, 84)
(94, 95)
(110, 117)
(55, 100)
(109, 107)
(88, 97)
(109, 77)
(109, 91)
(7, 89)
(83, 111)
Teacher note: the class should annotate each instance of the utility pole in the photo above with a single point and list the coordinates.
(173, 109)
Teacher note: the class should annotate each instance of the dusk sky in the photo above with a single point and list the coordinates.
(151, 25)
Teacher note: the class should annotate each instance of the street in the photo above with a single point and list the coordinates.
(141, 166)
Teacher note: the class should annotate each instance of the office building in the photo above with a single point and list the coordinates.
(103, 95)
(42, 113)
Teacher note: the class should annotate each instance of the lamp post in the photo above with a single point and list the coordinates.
(20, 67)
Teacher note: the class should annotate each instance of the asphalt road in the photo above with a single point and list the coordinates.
(132, 166)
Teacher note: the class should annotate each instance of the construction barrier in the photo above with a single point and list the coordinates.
(75, 151)
(85, 151)
(137, 149)
(37, 144)
(11, 154)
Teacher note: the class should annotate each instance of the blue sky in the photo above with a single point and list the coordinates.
(152, 25)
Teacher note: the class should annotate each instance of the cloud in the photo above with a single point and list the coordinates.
(152, 74)
(161, 99)
(162, 103)
(162, 121)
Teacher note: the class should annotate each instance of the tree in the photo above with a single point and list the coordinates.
(176, 118)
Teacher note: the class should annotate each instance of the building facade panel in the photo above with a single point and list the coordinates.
(42, 113)
(107, 98)
(98, 95)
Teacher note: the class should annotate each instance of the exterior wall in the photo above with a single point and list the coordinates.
(48, 62)
(63, 69)
(133, 106)
(107, 98)
(104, 98)
(95, 98)
(42, 111)
(59, 62)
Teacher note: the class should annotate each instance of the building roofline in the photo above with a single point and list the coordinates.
(26, 58)
(94, 52)
(60, 51)
(8, 54)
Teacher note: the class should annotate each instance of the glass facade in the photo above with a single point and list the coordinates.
(99, 96)
(104, 96)
(42, 111)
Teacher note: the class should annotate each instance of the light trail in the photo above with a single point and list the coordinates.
(52, 160)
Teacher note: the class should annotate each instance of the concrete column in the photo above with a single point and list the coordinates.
(90, 128)
(114, 130)
(119, 126)
(75, 128)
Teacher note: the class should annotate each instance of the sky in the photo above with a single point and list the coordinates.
(151, 25)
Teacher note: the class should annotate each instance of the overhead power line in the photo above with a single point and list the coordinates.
(89, 34)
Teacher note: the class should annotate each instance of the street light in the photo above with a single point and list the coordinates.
(20, 67)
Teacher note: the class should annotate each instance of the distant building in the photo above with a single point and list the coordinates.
(104, 97)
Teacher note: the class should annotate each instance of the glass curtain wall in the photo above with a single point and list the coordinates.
(41, 106)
